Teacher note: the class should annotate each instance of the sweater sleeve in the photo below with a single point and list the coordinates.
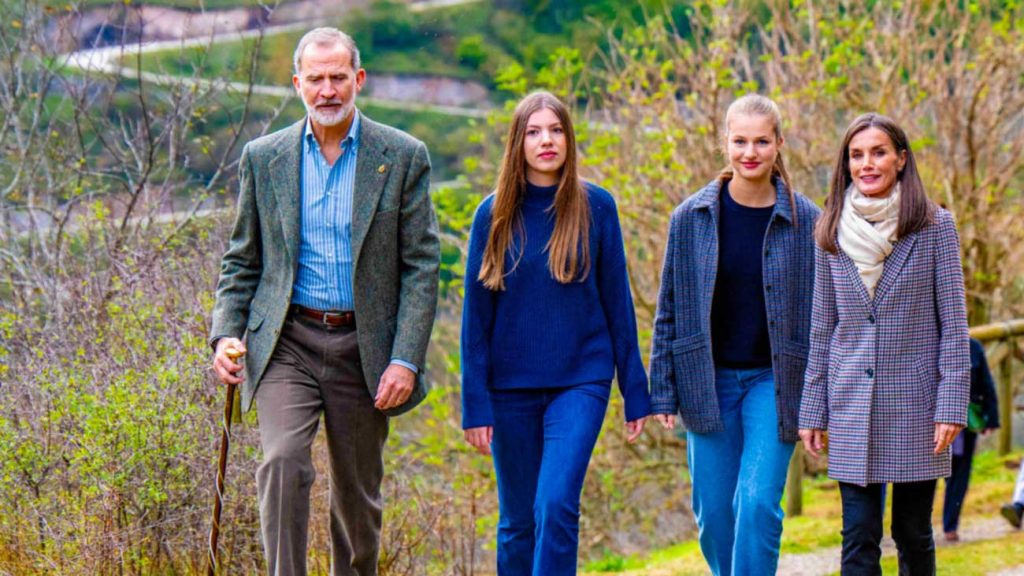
(824, 317)
(954, 346)
(477, 321)
(617, 302)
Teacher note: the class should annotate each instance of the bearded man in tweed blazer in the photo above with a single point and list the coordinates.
(331, 277)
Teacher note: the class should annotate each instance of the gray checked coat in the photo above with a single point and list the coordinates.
(682, 366)
(882, 372)
(395, 251)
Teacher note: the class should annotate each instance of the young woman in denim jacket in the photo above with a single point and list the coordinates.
(547, 322)
(730, 339)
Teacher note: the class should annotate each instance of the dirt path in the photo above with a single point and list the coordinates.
(823, 562)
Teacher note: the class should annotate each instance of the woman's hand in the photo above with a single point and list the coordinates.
(944, 435)
(635, 428)
(480, 438)
(814, 441)
(668, 421)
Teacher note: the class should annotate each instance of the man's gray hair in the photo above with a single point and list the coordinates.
(327, 36)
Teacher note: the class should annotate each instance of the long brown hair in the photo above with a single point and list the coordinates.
(568, 248)
(916, 210)
(757, 105)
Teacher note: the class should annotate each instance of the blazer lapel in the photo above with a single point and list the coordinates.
(893, 264)
(372, 171)
(851, 270)
(285, 174)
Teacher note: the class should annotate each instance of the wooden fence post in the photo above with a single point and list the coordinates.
(1006, 400)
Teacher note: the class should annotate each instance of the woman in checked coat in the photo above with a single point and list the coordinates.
(889, 366)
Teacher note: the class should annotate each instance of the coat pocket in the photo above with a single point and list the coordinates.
(256, 317)
(789, 380)
(927, 382)
(695, 373)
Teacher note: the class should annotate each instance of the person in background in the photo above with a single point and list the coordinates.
(983, 394)
(1015, 509)
(889, 370)
(547, 321)
(730, 339)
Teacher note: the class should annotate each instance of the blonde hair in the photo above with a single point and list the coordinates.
(757, 105)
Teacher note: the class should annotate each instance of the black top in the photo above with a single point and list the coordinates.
(739, 323)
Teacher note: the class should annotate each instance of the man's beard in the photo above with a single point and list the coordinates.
(328, 118)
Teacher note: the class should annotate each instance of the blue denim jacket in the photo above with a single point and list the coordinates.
(682, 370)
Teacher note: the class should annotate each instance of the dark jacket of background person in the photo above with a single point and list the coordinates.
(884, 371)
(682, 366)
(983, 390)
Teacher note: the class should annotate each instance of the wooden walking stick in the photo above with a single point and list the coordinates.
(222, 464)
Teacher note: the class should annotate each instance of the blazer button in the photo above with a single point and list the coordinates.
(768, 288)
(870, 373)
(871, 318)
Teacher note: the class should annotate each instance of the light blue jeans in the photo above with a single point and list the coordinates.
(738, 476)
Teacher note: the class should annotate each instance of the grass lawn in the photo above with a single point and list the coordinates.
(819, 529)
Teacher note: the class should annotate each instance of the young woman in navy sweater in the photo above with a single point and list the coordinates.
(547, 321)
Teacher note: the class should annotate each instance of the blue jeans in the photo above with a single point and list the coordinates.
(543, 439)
(739, 474)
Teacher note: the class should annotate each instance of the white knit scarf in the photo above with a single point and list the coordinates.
(867, 229)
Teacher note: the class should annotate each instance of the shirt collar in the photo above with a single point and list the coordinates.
(351, 138)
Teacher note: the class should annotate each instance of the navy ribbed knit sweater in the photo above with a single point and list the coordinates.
(538, 333)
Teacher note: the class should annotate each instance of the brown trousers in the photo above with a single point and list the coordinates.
(315, 369)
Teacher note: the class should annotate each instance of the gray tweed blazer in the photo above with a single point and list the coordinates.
(395, 250)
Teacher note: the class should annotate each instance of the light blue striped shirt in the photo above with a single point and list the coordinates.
(324, 278)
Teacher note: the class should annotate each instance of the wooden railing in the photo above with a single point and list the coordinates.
(1001, 354)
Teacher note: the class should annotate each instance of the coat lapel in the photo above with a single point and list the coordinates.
(893, 264)
(851, 271)
(706, 216)
(285, 174)
(372, 171)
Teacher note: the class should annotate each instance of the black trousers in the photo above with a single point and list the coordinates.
(956, 484)
(911, 528)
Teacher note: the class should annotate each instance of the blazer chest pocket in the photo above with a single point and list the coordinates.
(694, 370)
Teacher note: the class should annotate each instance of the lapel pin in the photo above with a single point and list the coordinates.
(382, 168)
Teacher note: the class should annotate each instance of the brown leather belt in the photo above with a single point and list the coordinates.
(335, 319)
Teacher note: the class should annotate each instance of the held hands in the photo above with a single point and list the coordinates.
(225, 365)
(945, 434)
(395, 387)
(814, 441)
(480, 438)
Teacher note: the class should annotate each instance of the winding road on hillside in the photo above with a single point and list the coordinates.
(112, 59)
